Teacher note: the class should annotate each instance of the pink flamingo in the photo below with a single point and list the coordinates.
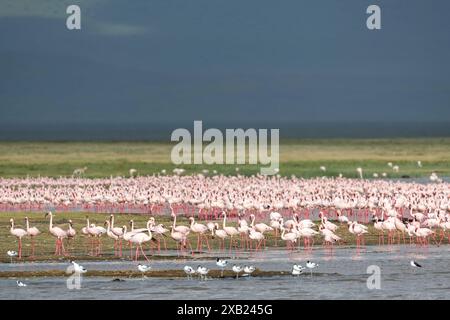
(71, 233)
(231, 231)
(85, 232)
(96, 233)
(180, 238)
(182, 229)
(200, 230)
(127, 237)
(58, 233)
(19, 234)
(357, 229)
(141, 238)
(113, 236)
(118, 232)
(32, 232)
(257, 236)
(290, 238)
(221, 234)
(160, 231)
(378, 225)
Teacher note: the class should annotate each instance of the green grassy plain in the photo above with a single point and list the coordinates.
(300, 157)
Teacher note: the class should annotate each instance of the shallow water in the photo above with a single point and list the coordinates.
(342, 274)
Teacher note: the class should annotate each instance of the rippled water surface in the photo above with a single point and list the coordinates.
(342, 274)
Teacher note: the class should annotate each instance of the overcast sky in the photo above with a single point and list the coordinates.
(229, 60)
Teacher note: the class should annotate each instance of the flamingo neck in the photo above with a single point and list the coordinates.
(224, 220)
(28, 224)
(51, 222)
(253, 221)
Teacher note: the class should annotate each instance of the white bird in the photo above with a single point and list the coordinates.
(297, 270)
(78, 268)
(221, 263)
(396, 168)
(311, 265)
(237, 269)
(11, 254)
(419, 164)
(415, 264)
(202, 271)
(298, 267)
(248, 270)
(390, 164)
(323, 168)
(189, 271)
(20, 283)
(143, 268)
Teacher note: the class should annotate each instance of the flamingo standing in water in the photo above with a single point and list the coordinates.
(19, 233)
(113, 236)
(96, 233)
(389, 225)
(117, 231)
(58, 233)
(180, 238)
(378, 225)
(445, 225)
(260, 227)
(290, 238)
(257, 236)
(231, 231)
(276, 225)
(141, 238)
(32, 232)
(71, 232)
(85, 232)
(200, 230)
(182, 229)
(221, 234)
(160, 231)
(358, 230)
(127, 235)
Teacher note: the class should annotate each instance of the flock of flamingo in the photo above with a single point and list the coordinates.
(285, 209)
(245, 236)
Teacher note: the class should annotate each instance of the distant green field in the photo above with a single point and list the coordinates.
(299, 157)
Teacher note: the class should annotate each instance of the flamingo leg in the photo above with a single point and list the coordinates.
(137, 253)
(63, 251)
(32, 247)
(20, 248)
(144, 254)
